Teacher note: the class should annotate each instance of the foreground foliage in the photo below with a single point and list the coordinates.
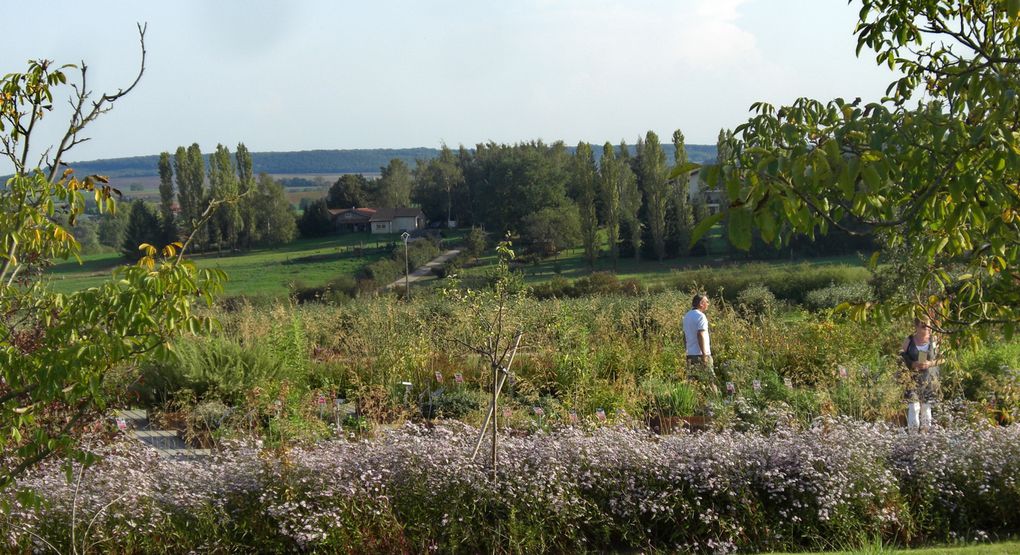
(265, 370)
(57, 350)
(938, 176)
(838, 483)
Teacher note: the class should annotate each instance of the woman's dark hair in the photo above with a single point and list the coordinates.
(696, 301)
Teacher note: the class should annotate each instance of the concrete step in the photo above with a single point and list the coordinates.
(135, 424)
(159, 439)
(184, 453)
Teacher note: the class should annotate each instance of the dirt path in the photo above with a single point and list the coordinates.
(425, 270)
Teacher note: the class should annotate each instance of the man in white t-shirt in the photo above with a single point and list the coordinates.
(699, 345)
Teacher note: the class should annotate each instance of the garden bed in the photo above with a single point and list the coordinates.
(839, 483)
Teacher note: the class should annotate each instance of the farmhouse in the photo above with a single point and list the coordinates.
(377, 220)
(696, 186)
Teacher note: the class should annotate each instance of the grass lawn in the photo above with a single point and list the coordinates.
(260, 272)
(1005, 548)
(571, 265)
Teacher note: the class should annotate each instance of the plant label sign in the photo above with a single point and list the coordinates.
(572, 415)
(320, 400)
(730, 388)
(600, 414)
(339, 401)
(788, 383)
(458, 377)
(756, 384)
(122, 424)
(539, 411)
(842, 372)
(439, 376)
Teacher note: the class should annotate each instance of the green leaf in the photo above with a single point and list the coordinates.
(847, 178)
(871, 177)
(677, 171)
(767, 223)
(732, 188)
(740, 228)
(703, 226)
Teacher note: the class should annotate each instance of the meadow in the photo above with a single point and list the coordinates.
(344, 424)
(347, 426)
(267, 273)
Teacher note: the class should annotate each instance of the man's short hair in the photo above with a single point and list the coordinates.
(696, 301)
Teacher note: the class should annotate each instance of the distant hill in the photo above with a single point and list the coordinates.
(299, 162)
(323, 161)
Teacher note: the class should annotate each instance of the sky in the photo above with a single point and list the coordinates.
(309, 74)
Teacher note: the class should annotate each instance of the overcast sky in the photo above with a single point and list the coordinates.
(302, 75)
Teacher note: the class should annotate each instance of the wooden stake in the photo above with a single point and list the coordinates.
(500, 374)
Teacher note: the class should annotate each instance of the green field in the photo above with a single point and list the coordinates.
(271, 272)
(571, 265)
(260, 272)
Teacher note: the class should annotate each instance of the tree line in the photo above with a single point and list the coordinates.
(551, 196)
(243, 210)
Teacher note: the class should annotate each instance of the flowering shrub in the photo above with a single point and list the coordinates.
(415, 490)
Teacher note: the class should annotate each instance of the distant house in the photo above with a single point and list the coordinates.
(347, 220)
(713, 197)
(377, 220)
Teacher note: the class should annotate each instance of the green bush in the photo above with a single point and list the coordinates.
(757, 300)
(789, 282)
(989, 373)
(557, 287)
(598, 283)
(208, 415)
(837, 294)
(382, 271)
(454, 402)
(475, 242)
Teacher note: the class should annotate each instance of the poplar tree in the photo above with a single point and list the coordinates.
(610, 185)
(655, 186)
(166, 198)
(246, 205)
(586, 187)
(223, 185)
(189, 170)
(684, 214)
(630, 200)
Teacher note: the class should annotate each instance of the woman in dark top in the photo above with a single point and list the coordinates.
(921, 358)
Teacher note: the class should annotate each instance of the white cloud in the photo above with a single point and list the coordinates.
(714, 39)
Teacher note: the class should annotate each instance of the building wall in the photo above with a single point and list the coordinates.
(406, 224)
(382, 227)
